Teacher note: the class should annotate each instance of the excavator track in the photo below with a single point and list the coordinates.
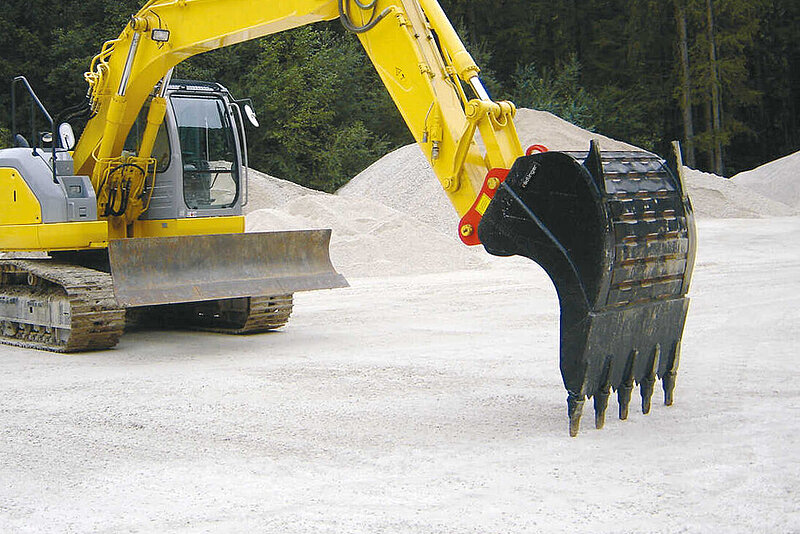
(55, 306)
(248, 315)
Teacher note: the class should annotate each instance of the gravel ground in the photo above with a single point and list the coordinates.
(425, 403)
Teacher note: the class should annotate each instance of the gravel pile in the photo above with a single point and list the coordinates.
(778, 180)
(369, 238)
(268, 192)
(717, 197)
(404, 181)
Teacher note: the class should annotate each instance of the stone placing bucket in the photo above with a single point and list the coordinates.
(615, 232)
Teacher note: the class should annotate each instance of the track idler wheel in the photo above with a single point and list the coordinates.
(615, 233)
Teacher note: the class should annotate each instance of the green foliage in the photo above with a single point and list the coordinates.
(5, 138)
(52, 43)
(558, 91)
(320, 106)
(736, 25)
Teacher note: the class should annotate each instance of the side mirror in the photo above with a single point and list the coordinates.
(251, 115)
(21, 142)
(66, 135)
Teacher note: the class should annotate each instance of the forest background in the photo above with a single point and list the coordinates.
(723, 76)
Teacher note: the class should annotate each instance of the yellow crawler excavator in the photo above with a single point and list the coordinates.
(143, 212)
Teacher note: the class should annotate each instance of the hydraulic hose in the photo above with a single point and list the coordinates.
(344, 15)
(112, 193)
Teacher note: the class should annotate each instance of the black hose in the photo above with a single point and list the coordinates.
(125, 194)
(344, 16)
(112, 193)
(81, 110)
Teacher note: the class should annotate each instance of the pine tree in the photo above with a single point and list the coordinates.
(724, 31)
(685, 89)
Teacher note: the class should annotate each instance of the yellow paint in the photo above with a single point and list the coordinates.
(195, 27)
(54, 236)
(421, 78)
(198, 226)
(483, 203)
(18, 204)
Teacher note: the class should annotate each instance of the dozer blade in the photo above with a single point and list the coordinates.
(166, 270)
(616, 234)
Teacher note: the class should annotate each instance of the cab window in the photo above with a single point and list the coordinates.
(161, 150)
(208, 152)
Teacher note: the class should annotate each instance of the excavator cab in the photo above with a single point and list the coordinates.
(201, 153)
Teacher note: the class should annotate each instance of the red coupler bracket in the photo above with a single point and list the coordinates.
(468, 227)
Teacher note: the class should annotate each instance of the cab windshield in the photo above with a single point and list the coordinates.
(208, 151)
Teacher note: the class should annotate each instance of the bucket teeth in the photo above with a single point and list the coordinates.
(624, 400)
(646, 390)
(669, 388)
(600, 405)
(575, 410)
(625, 390)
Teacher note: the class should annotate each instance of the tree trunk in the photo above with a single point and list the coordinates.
(686, 100)
(710, 130)
(716, 133)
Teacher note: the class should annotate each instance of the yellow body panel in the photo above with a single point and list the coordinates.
(54, 236)
(198, 226)
(18, 204)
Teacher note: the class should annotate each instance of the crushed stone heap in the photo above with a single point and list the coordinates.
(403, 179)
(778, 180)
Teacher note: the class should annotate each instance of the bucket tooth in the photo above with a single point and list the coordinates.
(625, 390)
(601, 398)
(615, 232)
(575, 404)
(647, 384)
(600, 406)
(668, 381)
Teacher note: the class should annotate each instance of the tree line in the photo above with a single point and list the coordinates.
(722, 76)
